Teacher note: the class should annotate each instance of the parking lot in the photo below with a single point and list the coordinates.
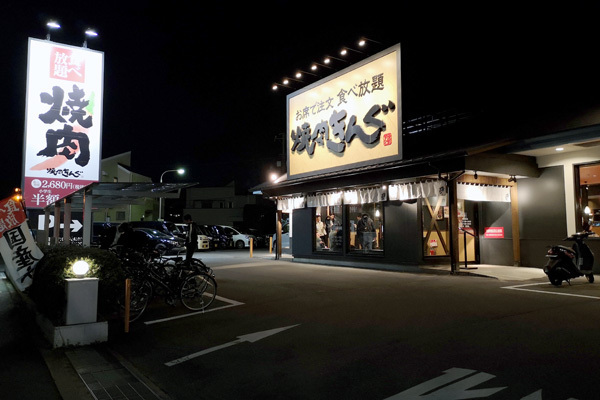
(288, 330)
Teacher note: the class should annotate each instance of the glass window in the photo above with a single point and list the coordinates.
(366, 228)
(588, 197)
(328, 229)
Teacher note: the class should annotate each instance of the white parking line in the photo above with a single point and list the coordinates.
(232, 303)
(520, 287)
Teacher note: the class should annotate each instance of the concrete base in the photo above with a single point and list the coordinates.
(73, 335)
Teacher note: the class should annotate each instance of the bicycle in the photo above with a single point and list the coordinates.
(169, 278)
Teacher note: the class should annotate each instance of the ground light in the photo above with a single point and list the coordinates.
(82, 295)
(80, 268)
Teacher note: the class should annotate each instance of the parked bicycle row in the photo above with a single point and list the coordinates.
(170, 237)
(176, 280)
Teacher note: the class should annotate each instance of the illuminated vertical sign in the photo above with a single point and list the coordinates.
(63, 121)
(350, 119)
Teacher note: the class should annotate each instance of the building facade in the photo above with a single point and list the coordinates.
(385, 193)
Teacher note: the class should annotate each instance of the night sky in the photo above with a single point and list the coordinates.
(190, 85)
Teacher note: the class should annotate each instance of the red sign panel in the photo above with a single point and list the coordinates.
(65, 64)
(496, 232)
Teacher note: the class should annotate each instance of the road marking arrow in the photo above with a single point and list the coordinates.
(457, 390)
(251, 337)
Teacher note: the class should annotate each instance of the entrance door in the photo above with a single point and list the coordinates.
(468, 234)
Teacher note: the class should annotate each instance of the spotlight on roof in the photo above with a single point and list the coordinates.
(89, 33)
(51, 25)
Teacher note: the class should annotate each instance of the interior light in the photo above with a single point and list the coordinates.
(313, 67)
(343, 52)
(327, 61)
(362, 42)
(298, 75)
(587, 210)
(560, 148)
(285, 82)
(80, 268)
(274, 87)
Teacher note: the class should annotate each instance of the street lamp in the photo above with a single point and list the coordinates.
(180, 171)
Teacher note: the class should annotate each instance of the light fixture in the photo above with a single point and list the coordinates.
(89, 33)
(587, 210)
(180, 171)
(51, 25)
(273, 176)
(343, 52)
(298, 75)
(559, 148)
(80, 268)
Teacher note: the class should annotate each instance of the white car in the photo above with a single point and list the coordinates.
(240, 240)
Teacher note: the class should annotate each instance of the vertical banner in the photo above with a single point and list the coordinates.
(63, 121)
(17, 246)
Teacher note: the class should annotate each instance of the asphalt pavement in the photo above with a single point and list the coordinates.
(31, 369)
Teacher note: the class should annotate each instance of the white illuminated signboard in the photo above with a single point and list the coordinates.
(348, 120)
(63, 121)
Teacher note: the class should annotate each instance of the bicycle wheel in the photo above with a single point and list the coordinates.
(140, 295)
(198, 291)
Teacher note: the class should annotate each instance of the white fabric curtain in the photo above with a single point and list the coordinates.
(475, 192)
(415, 190)
(363, 196)
(324, 199)
(291, 203)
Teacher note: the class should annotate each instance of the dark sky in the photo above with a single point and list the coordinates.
(189, 84)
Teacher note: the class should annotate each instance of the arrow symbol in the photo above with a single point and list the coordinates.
(251, 337)
(457, 390)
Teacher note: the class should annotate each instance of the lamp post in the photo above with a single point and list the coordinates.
(180, 171)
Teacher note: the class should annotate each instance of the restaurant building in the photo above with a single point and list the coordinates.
(365, 188)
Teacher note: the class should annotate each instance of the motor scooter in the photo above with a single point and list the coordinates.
(565, 263)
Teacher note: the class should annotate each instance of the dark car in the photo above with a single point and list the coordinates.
(166, 227)
(220, 238)
(103, 234)
(155, 239)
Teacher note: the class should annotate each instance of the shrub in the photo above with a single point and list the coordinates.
(48, 285)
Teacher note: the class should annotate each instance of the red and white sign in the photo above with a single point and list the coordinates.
(17, 246)
(496, 232)
(63, 121)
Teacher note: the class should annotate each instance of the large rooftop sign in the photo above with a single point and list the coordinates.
(348, 120)
(62, 122)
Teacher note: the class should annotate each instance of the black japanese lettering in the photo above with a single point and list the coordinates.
(68, 145)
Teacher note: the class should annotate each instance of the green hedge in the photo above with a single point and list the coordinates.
(48, 285)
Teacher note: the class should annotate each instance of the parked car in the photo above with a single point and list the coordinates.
(159, 240)
(162, 226)
(103, 234)
(220, 238)
(239, 240)
(204, 241)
